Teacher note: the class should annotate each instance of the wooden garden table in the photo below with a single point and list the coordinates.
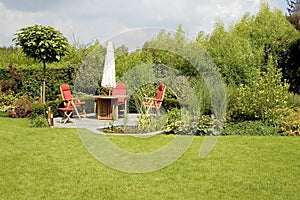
(107, 106)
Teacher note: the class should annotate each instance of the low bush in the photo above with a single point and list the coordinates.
(22, 108)
(38, 109)
(173, 121)
(250, 128)
(7, 101)
(188, 125)
(39, 122)
(169, 103)
(291, 123)
(3, 114)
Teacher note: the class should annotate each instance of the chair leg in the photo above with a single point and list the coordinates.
(157, 111)
(83, 111)
(75, 108)
(66, 116)
(95, 107)
(125, 109)
(122, 109)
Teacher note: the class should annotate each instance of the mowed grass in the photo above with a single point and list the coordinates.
(54, 164)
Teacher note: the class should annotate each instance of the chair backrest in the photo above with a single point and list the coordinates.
(160, 94)
(66, 92)
(120, 89)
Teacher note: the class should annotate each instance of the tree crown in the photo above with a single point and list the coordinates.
(44, 44)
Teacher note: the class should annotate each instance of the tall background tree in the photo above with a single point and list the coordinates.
(293, 9)
(293, 6)
(44, 44)
(291, 63)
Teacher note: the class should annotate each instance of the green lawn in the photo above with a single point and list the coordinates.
(54, 164)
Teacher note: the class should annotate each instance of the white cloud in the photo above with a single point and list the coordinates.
(95, 19)
(12, 20)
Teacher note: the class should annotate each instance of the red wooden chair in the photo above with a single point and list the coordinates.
(67, 111)
(120, 89)
(70, 103)
(155, 103)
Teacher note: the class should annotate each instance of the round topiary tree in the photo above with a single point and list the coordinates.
(44, 44)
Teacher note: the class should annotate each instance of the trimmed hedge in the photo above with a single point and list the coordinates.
(32, 81)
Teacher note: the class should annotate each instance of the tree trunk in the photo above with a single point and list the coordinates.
(44, 83)
(41, 94)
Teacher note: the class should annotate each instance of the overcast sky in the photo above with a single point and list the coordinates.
(88, 20)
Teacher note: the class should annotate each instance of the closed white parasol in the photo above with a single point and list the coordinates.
(109, 71)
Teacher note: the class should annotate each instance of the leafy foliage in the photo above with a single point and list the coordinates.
(294, 19)
(234, 55)
(13, 81)
(174, 51)
(290, 66)
(250, 128)
(7, 102)
(44, 44)
(39, 122)
(22, 108)
(88, 74)
(262, 100)
(38, 109)
(291, 123)
(31, 78)
(246, 47)
(38, 115)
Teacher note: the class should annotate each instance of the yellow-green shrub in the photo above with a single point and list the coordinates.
(262, 99)
(291, 123)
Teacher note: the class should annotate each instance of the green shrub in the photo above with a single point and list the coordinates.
(205, 125)
(186, 124)
(7, 101)
(32, 81)
(250, 128)
(170, 103)
(179, 123)
(38, 109)
(22, 108)
(53, 106)
(137, 97)
(291, 123)
(263, 99)
(173, 121)
(3, 114)
(12, 81)
(148, 123)
(39, 122)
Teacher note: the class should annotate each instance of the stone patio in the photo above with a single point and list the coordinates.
(92, 123)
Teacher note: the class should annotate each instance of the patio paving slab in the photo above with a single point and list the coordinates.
(92, 123)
